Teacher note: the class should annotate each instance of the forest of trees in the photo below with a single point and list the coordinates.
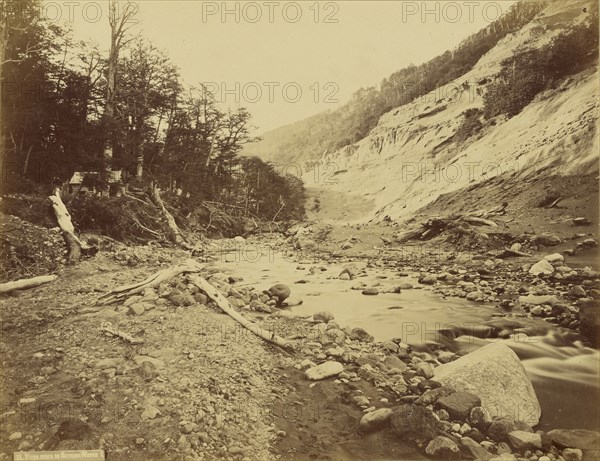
(527, 74)
(332, 130)
(68, 106)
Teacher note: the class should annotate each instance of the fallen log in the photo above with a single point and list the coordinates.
(224, 305)
(26, 283)
(125, 291)
(66, 226)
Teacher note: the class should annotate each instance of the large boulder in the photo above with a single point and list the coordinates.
(470, 449)
(359, 334)
(542, 267)
(323, 316)
(523, 440)
(497, 376)
(414, 423)
(589, 318)
(548, 239)
(280, 291)
(575, 438)
(502, 426)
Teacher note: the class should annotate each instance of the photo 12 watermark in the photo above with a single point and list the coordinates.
(75, 11)
(451, 12)
(270, 12)
(272, 92)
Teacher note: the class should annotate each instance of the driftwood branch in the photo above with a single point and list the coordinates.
(508, 252)
(107, 328)
(495, 211)
(224, 305)
(482, 221)
(123, 292)
(26, 283)
(189, 266)
(554, 204)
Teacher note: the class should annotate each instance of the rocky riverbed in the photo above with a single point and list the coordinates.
(196, 385)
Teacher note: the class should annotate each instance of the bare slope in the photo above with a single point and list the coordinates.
(410, 158)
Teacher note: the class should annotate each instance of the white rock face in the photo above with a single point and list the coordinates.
(324, 370)
(542, 267)
(497, 376)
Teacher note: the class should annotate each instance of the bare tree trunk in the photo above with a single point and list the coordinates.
(3, 40)
(175, 234)
(139, 167)
(26, 161)
(66, 226)
(109, 109)
(120, 22)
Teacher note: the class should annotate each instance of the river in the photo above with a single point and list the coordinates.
(565, 374)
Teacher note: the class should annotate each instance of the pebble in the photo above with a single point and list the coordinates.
(572, 454)
(324, 370)
(375, 419)
(425, 370)
(323, 316)
(150, 412)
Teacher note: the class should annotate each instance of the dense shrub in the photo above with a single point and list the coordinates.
(526, 75)
(470, 125)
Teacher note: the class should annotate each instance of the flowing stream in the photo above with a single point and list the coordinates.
(565, 374)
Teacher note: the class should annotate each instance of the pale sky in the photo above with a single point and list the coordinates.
(285, 61)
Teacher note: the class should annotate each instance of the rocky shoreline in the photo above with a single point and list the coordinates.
(198, 386)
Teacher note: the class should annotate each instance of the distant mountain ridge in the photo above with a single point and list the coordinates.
(308, 139)
(468, 131)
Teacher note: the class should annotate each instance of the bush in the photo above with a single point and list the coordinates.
(526, 75)
(470, 125)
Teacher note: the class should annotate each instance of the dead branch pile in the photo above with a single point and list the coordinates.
(465, 231)
(27, 250)
(219, 219)
(127, 219)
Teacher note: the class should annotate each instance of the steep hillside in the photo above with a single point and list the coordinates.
(414, 154)
(328, 131)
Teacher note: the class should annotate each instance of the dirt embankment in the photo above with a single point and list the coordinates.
(197, 384)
